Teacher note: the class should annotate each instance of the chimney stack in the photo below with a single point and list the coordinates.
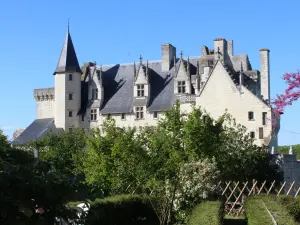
(168, 52)
(230, 47)
(219, 48)
(265, 73)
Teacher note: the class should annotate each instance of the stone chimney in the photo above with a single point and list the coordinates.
(265, 73)
(168, 53)
(219, 48)
(230, 47)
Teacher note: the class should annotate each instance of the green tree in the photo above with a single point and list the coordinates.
(26, 187)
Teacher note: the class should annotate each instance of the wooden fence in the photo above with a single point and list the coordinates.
(234, 193)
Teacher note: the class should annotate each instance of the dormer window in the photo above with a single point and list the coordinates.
(181, 87)
(140, 90)
(94, 93)
(70, 77)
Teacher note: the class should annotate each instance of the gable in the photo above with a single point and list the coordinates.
(181, 71)
(141, 76)
(220, 94)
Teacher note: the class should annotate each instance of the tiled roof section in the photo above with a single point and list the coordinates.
(37, 129)
(68, 60)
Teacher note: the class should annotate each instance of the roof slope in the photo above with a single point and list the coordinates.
(68, 60)
(37, 129)
(117, 81)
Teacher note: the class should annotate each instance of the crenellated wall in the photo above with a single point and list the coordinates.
(45, 100)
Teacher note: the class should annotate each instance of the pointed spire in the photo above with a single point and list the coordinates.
(147, 68)
(134, 69)
(188, 65)
(219, 53)
(68, 61)
(181, 54)
(141, 59)
(241, 76)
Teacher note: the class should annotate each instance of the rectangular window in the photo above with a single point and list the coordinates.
(94, 93)
(139, 113)
(140, 90)
(70, 77)
(261, 133)
(264, 118)
(123, 116)
(251, 115)
(181, 87)
(108, 116)
(70, 113)
(93, 114)
(70, 96)
(155, 115)
(82, 118)
(252, 134)
(70, 129)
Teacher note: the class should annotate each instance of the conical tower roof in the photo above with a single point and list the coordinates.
(68, 62)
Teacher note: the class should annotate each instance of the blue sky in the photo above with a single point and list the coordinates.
(116, 31)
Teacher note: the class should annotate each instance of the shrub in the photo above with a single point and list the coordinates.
(285, 199)
(123, 210)
(280, 212)
(294, 208)
(207, 213)
(256, 212)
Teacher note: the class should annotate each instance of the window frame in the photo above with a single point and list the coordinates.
(181, 87)
(70, 96)
(155, 115)
(140, 89)
(93, 115)
(70, 78)
(139, 112)
(250, 115)
(123, 116)
(252, 134)
(70, 113)
(261, 133)
(94, 93)
(264, 118)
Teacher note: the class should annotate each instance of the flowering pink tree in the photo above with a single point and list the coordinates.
(291, 94)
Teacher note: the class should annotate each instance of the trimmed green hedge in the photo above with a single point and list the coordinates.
(122, 210)
(256, 212)
(279, 211)
(207, 213)
(292, 204)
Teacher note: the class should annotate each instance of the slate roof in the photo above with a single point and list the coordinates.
(37, 129)
(118, 85)
(68, 60)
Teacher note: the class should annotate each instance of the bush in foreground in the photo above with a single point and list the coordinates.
(207, 213)
(292, 205)
(123, 210)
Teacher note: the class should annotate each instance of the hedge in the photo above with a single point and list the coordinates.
(256, 212)
(292, 205)
(279, 211)
(123, 210)
(207, 213)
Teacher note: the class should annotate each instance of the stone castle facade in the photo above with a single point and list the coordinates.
(136, 94)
